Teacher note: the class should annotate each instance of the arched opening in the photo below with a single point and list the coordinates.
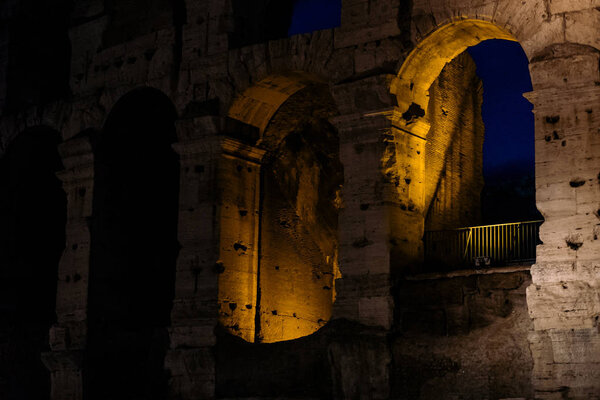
(32, 238)
(440, 97)
(301, 177)
(134, 248)
(508, 150)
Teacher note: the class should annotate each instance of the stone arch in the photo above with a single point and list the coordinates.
(258, 103)
(426, 61)
(300, 179)
(133, 247)
(418, 177)
(32, 239)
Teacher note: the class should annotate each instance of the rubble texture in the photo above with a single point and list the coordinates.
(227, 128)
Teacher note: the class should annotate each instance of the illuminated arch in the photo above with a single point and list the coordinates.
(257, 104)
(426, 61)
(290, 291)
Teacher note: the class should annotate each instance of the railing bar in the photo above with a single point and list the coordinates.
(497, 242)
(501, 242)
(485, 226)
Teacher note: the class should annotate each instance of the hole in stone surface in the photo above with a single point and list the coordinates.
(414, 111)
(577, 182)
(362, 242)
(239, 246)
(552, 119)
(574, 242)
(219, 268)
(364, 207)
(148, 54)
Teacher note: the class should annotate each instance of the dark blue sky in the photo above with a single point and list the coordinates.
(503, 68)
(312, 15)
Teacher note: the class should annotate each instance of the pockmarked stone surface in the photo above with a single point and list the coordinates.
(250, 224)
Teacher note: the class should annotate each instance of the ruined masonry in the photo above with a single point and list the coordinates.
(195, 205)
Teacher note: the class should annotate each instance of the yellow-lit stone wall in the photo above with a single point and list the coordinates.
(298, 261)
(379, 62)
(295, 279)
(278, 222)
(453, 157)
(238, 245)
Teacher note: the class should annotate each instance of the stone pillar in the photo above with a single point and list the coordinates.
(206, 221)
(381, 224)
(68, 336)
(563, 298)
(363, 293)
(239, 222)
(380, 227)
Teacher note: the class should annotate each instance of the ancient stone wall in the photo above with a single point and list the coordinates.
(463, 336)
(378, 66)
(454, 149)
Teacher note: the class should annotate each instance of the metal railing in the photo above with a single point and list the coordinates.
(481, 246)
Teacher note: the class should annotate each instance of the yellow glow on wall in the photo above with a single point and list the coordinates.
(425, 62)
(278, 213)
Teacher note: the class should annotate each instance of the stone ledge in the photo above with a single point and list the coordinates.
(468, 272)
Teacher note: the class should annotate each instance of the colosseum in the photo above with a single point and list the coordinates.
(197, 204)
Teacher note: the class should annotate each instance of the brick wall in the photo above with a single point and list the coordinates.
(453, 160)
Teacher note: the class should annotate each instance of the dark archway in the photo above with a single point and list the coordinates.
(134, 249)
(32, 238)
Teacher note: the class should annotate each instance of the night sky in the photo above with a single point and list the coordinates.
(312, 15)
(503, 68)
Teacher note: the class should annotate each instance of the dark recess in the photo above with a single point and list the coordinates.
(32, 238)
(134, 249)
(39, 54)
(259, 21)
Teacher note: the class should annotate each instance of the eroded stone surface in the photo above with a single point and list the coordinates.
(187, 51)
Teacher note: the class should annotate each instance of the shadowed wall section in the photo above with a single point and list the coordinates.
(32, 238)
(134, 249)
